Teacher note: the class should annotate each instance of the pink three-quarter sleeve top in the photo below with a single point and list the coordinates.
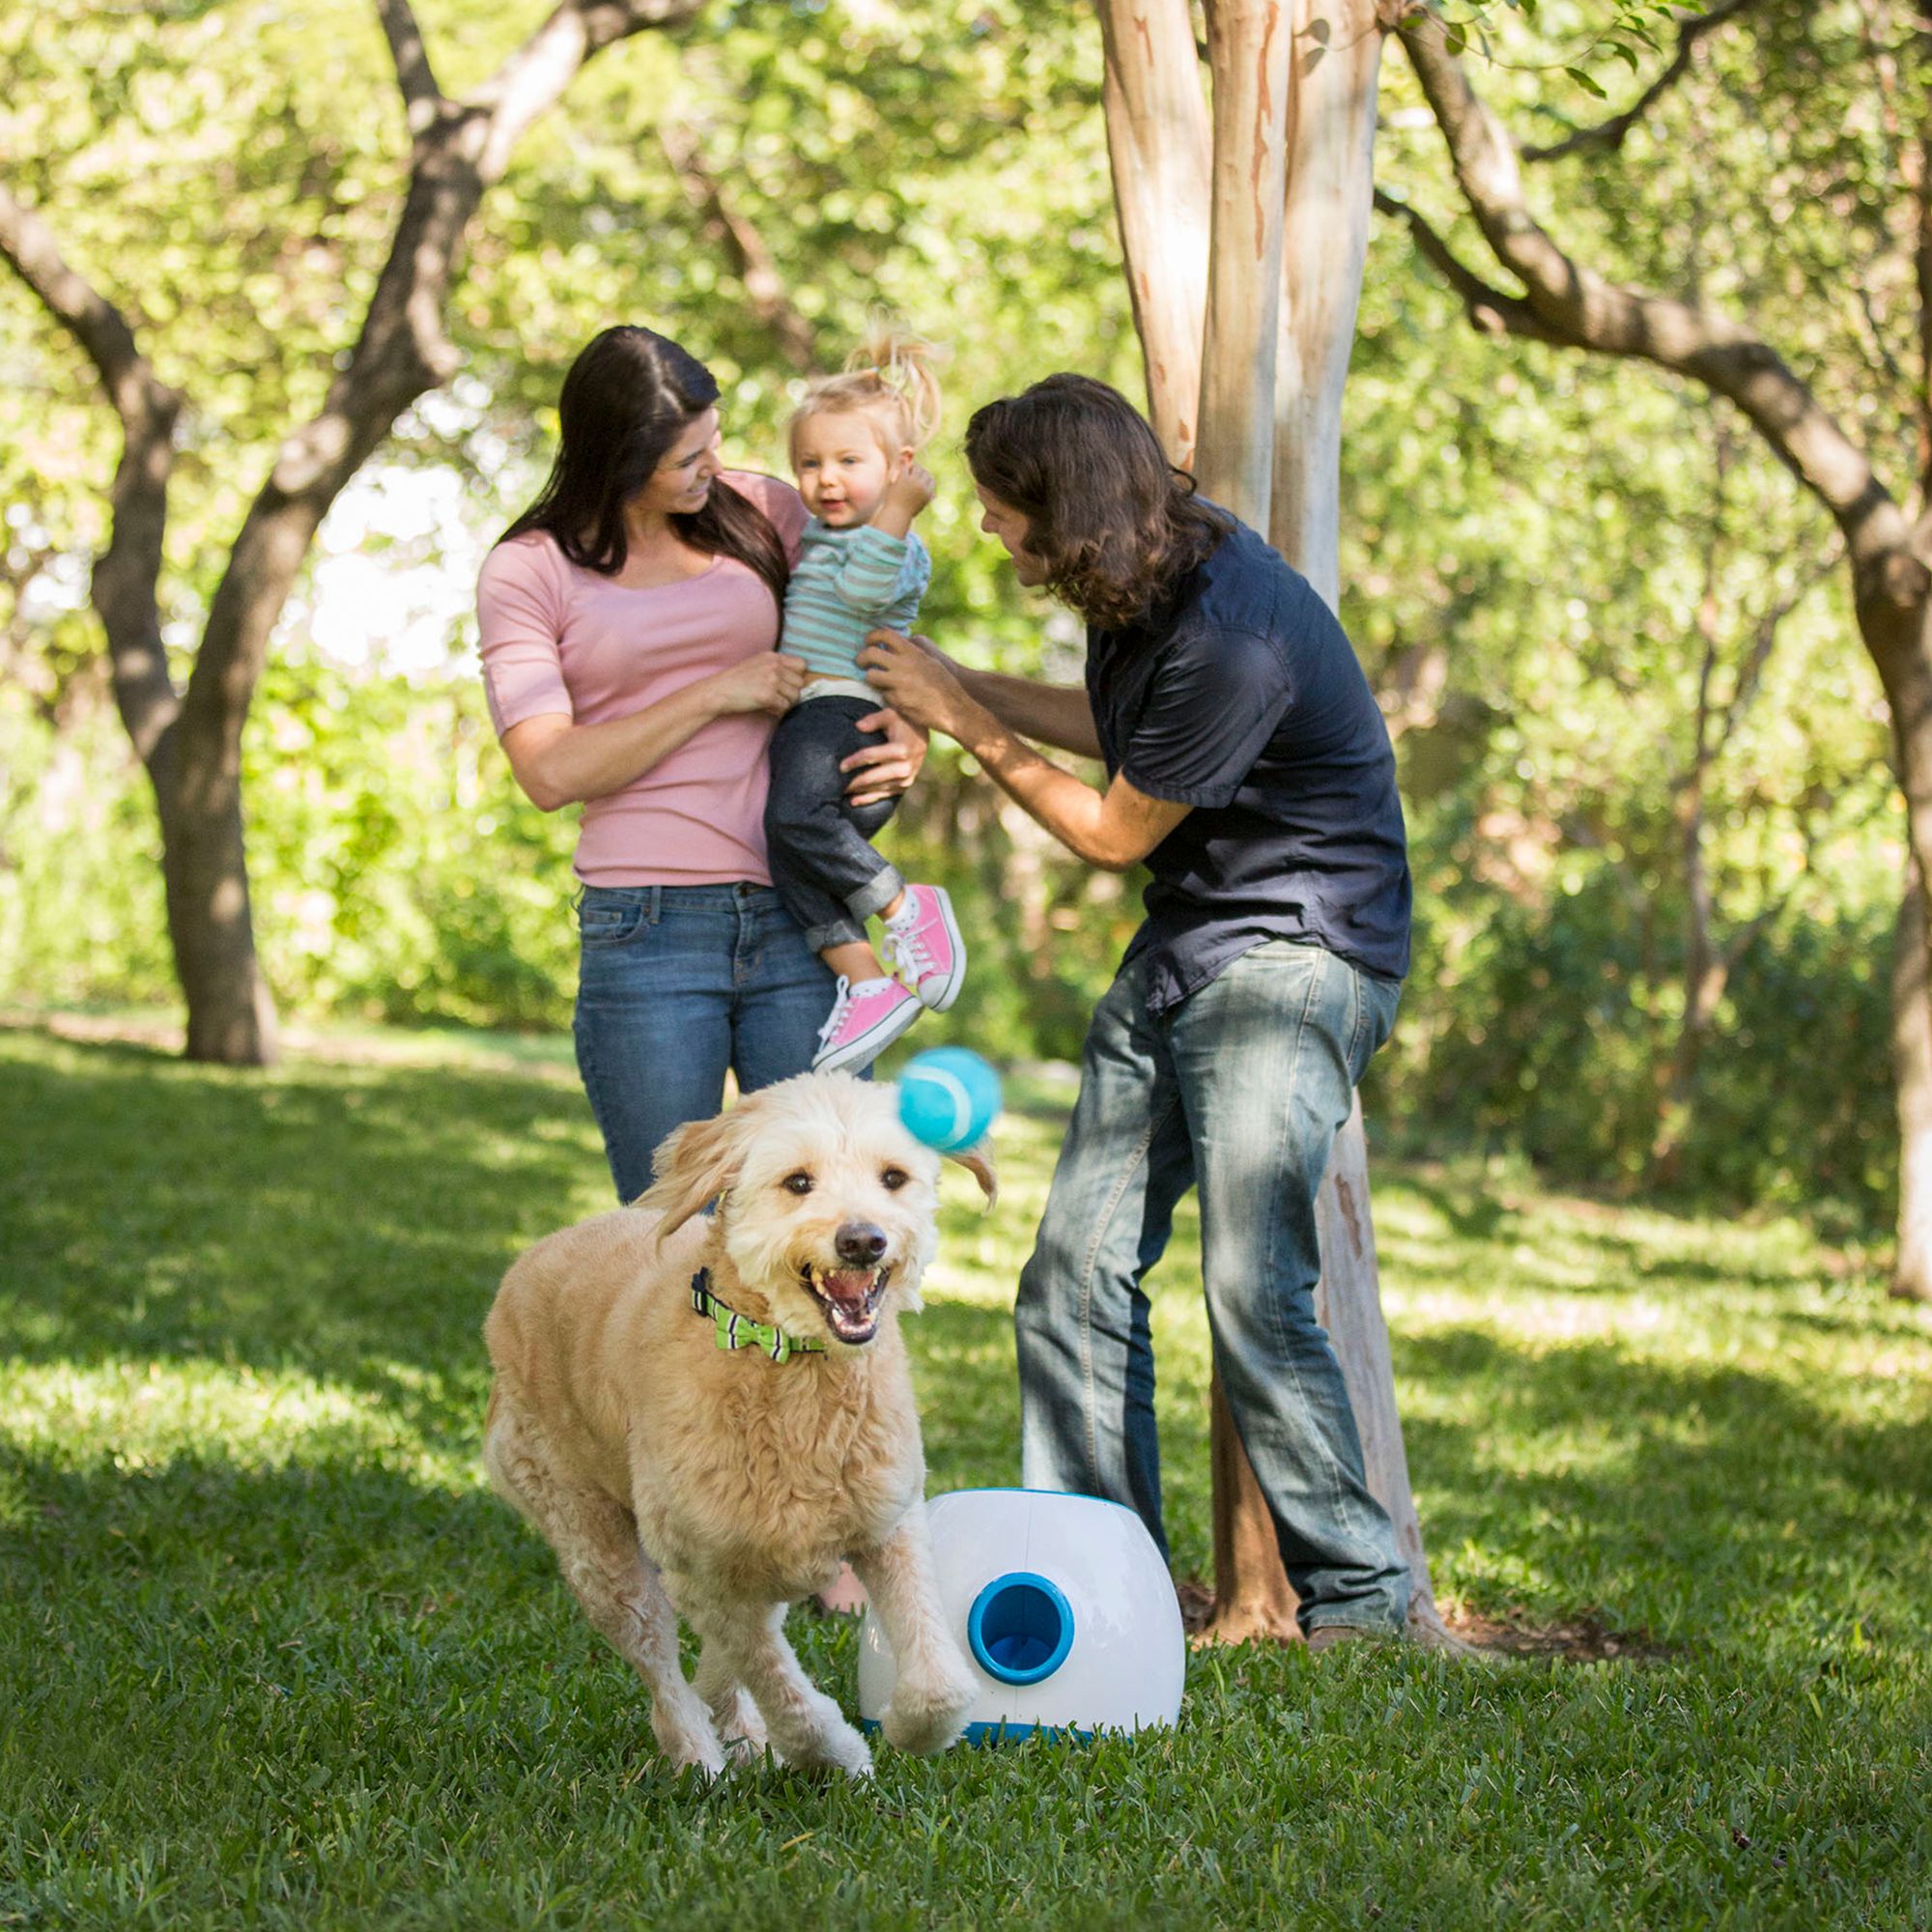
(558, 640)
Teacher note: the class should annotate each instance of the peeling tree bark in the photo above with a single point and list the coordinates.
(1305, 77)
(1159, 143)
(1329, 206)
(1248, 43)
(190, 741)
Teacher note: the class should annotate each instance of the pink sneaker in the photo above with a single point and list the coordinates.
(865, 1019)
(924, 940)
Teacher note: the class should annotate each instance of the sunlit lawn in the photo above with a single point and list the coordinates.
(271, 1653)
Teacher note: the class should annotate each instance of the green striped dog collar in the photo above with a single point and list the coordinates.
(733, 1331)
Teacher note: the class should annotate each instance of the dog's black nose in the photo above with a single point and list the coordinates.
(859, 1241)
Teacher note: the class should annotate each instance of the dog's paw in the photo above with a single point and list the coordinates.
(926, 1718)
(689, 1747)
(740, 1727)
(831, 1746)
(709, 1761)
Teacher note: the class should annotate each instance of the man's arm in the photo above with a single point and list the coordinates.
(1051, 714)
(1060, 715)
(1114, 829)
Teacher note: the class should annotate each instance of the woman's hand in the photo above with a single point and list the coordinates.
(915, 679)
(881, 772)
(767, 681)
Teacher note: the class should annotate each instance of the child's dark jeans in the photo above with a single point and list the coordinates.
(822, 863)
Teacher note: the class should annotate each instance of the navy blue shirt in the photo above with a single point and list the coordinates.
(1240, 695)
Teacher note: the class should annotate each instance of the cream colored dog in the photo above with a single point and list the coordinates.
(671, 1472)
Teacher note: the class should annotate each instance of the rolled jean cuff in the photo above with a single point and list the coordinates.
(839, 932)
(884, 885)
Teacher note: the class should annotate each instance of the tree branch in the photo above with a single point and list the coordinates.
(1764, 640)
(764, 287)
(1585, 309)
(421, 95)
(89, 316)
(126, 574)
(1491, 312)
(1612, 134)
(460, 150)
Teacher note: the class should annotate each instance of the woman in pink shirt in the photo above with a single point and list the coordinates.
(628, 620)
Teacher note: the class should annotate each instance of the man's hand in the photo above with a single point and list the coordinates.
(880, 772)
(919, 684)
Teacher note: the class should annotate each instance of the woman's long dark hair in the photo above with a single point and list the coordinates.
(1115, 525)
(629, 396)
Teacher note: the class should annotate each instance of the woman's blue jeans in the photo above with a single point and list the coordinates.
(678, 984)
(1238, 1091)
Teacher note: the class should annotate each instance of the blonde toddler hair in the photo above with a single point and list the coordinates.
(891, 379)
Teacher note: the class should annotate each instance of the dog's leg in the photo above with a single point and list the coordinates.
(596, 1545)
(735, 1716)
(805, 1727)
(934, 1685)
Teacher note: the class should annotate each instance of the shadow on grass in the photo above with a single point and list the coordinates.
(349, 1222)
(353, 1222)
(1643, 1492)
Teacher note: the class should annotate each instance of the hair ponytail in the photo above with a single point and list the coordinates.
(892, 378)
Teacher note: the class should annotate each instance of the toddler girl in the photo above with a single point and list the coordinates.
(854, 441)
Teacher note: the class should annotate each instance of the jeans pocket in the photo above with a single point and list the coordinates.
(1380, 999)
(608, 922)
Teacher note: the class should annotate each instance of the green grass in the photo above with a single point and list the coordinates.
(271, 1655)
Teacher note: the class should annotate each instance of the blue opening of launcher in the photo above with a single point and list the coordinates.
(1020, 1628)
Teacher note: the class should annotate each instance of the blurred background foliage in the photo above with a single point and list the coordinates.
(1546, 560)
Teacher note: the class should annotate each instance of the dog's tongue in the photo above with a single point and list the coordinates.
(848, 1287)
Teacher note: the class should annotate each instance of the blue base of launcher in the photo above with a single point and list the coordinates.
(1004, 1733)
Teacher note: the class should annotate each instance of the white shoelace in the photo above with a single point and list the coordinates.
(908, 950)
(841, 998)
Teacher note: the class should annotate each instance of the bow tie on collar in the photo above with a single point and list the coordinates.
(733, 1331)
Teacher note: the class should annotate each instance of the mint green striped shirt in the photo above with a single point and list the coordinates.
(846, 584)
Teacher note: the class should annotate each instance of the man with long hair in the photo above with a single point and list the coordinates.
(1249, 768)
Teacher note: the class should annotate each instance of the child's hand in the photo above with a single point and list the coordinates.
(766, 681)
(907, 494)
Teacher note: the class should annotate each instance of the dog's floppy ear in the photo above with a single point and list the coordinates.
(692, 1164)
(978, 1161)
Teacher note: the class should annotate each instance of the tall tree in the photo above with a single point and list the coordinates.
(1834, 452)
(190, 739)
(1280, 206)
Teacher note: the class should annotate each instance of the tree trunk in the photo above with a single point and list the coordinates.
(1912, 1068)
(231, 1015)
(1329, 207)
(1157, 141)
(1335, 56)
(1349, 1304)
(1248, 43)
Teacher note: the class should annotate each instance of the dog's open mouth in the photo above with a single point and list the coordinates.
(850, 1298)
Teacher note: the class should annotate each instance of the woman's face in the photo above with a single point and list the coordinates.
(682, 479)
(1000, 520)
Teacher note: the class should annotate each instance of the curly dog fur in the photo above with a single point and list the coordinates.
(671, 1476)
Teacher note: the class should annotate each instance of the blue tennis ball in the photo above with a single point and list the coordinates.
(949, 1098)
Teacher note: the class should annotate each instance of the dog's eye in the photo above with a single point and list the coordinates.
(797, 1183)
(894, 1178)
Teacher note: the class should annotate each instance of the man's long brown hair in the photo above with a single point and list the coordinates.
(1115, 524)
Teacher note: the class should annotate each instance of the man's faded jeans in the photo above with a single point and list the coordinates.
(1239, 1091)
